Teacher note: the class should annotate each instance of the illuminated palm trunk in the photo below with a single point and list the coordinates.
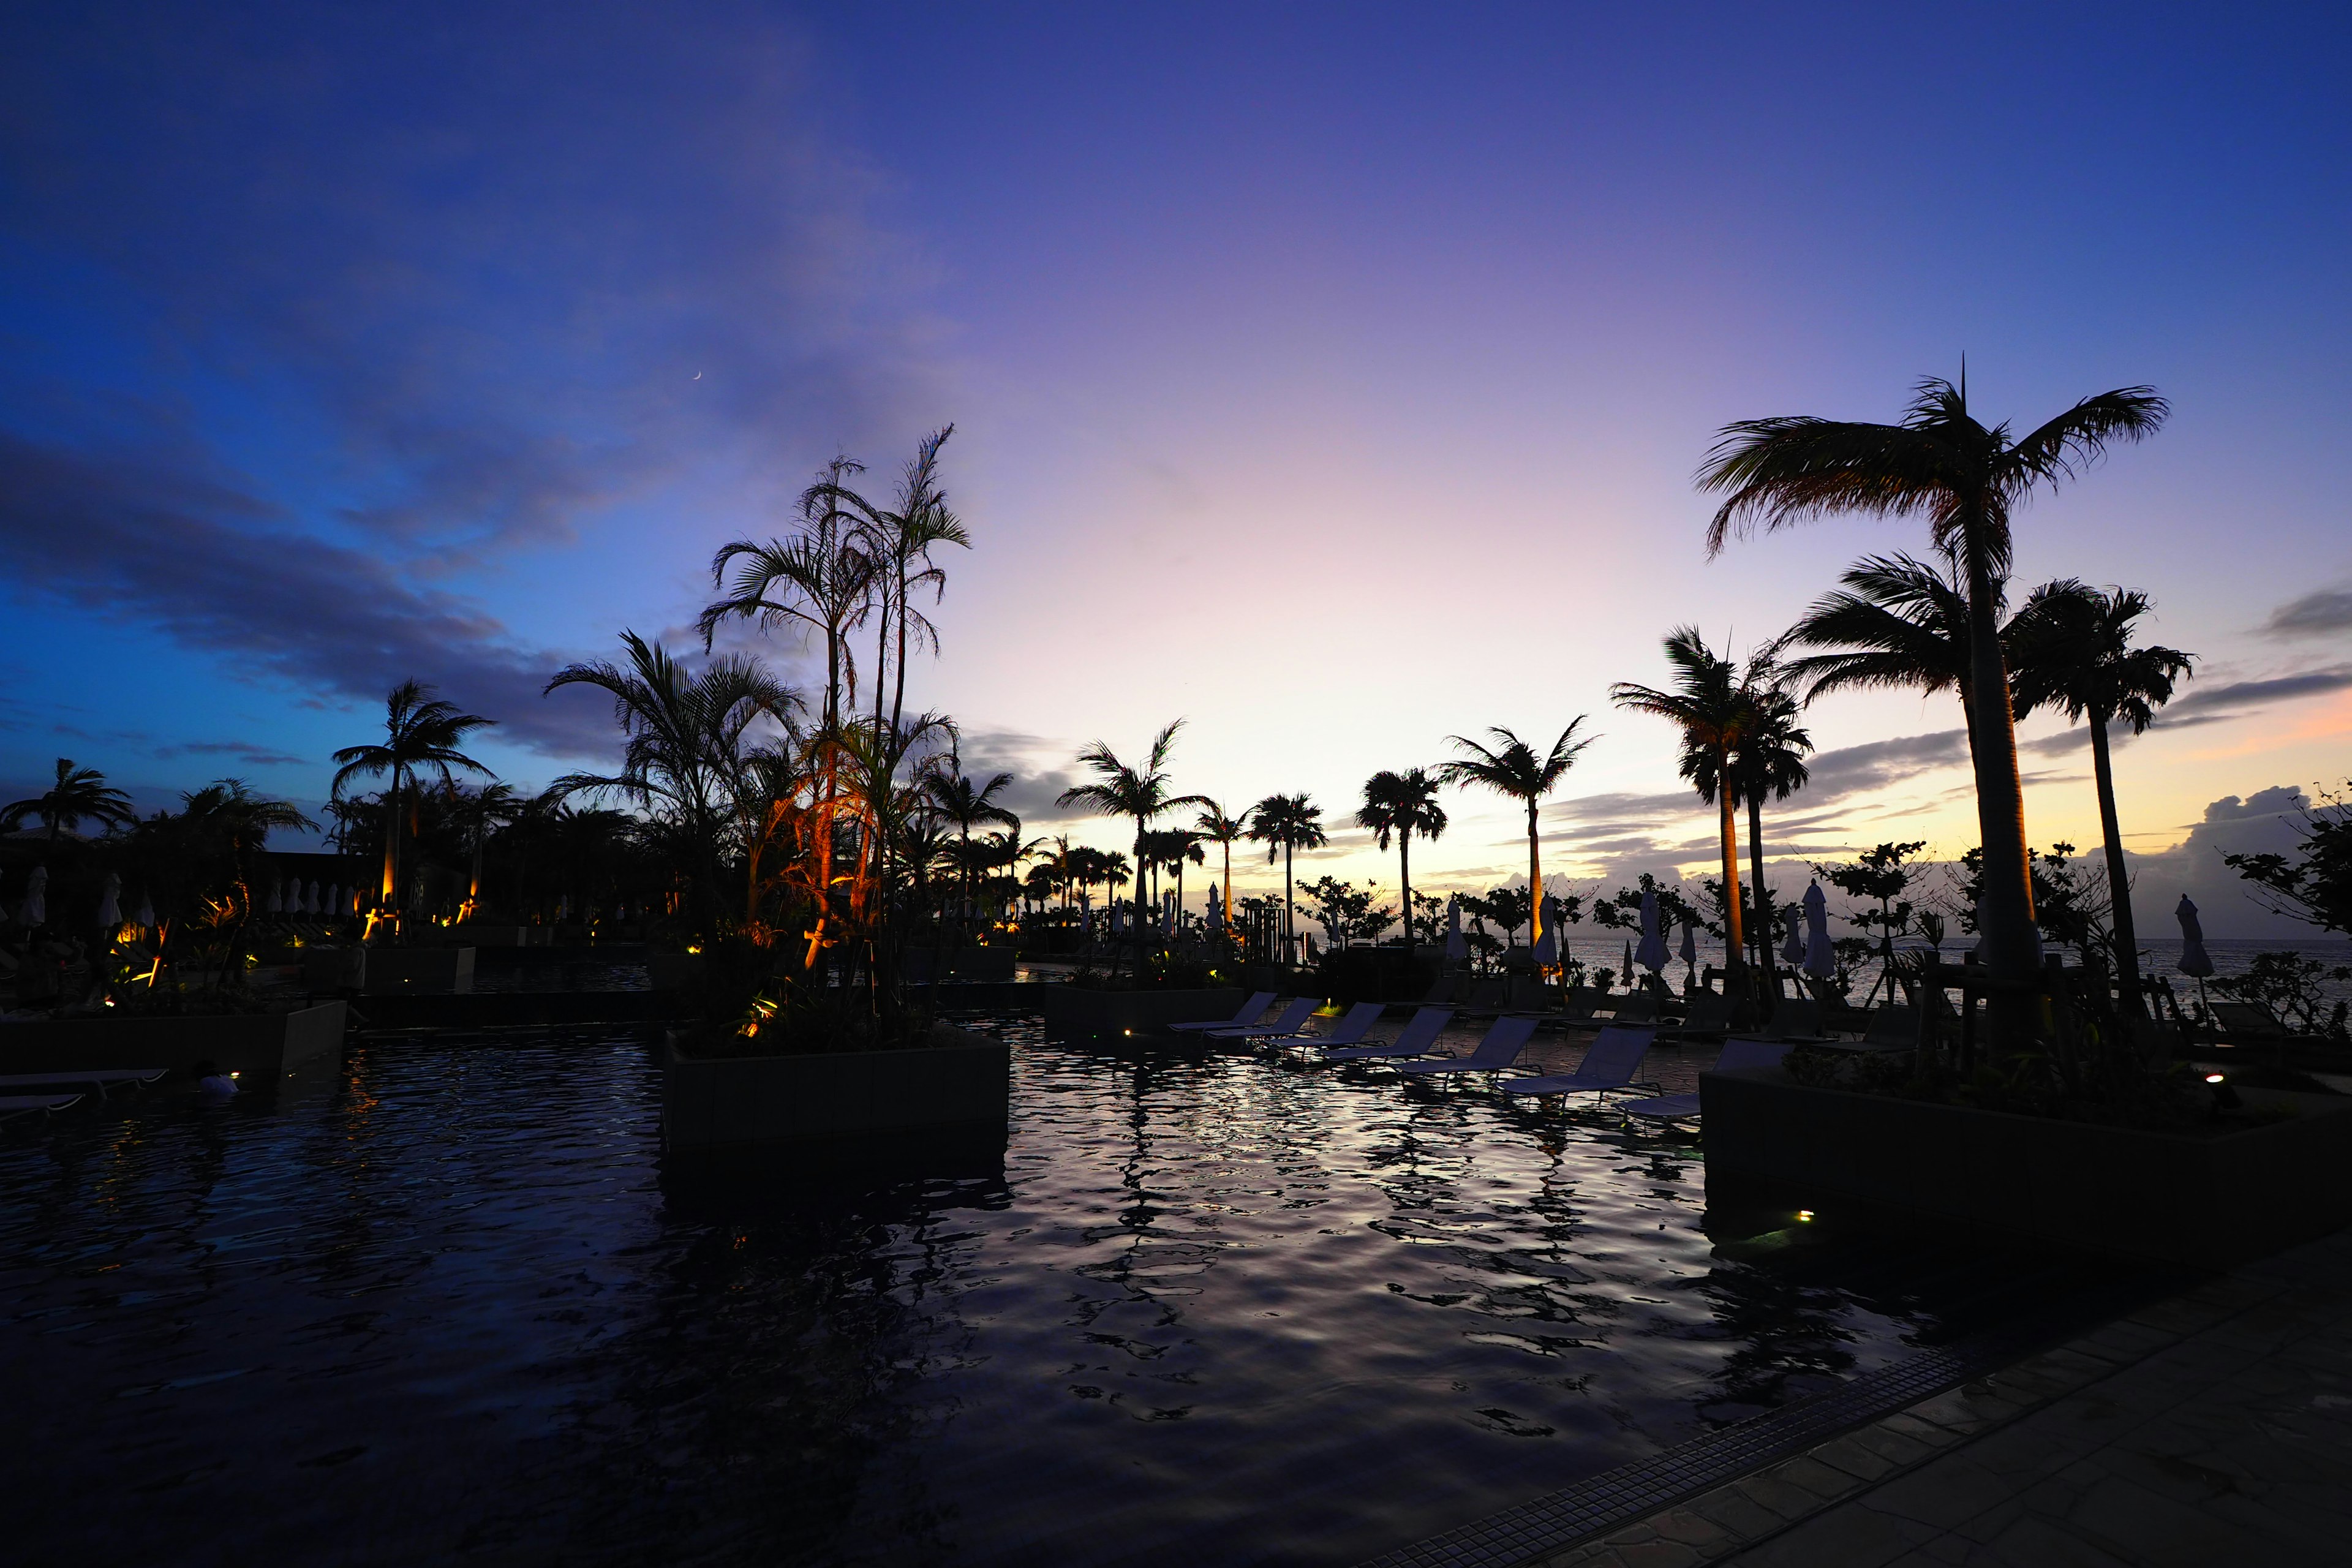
(2118, 873)
(1535, 884)
(2012, 947)
(1734, 939)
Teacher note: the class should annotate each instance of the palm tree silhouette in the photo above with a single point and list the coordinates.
(1215, 827)
(1511, 769)
(1287, 823)
(421, 734)
(79, 795)
(1899, 623)
(822, 578)
(2073, 651)
(1769, 761)
(1402, 804)
(1965, 479)
(477, 814)
(1711, 708)
(897, 542)
(968, 803)
(1138, 794)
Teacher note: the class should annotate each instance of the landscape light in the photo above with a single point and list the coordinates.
(2213, 1078)
(1804, 1214)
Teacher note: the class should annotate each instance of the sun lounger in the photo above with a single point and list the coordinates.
(1419, 1033)
(1525, 993)
(1350, 1032)
(1486, 996)
(1892, 1028)
(1710, 1014)
(1251, 1011)
(101, 1079)
(1579, 1001)
(1795, 1020)
(1615, 1055)
(1504, 1042)
(1737, 1056)
(1440, 990)
(2247, 1021)
(1635, 1007)
(25, 1104)
(1289, 1021)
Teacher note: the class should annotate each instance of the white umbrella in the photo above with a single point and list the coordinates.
(1690, 946)
(2194, 959)
(277, 904)
(146, 915)
(1793, 950)
(110, 901)
(1217, 914)
(37, 897)
(1629, 963)
(1821, 959)
(1652, 954)
(311, 904)
(1547, 944)
(329, 906)
(1457, 946)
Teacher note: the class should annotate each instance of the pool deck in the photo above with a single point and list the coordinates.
(2214, 1427)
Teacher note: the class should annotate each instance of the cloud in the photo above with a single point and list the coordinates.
(247, 752)
(2209, 704)
(2324, 613)
(2268, 821)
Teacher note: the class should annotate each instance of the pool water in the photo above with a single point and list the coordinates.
(443, 1303)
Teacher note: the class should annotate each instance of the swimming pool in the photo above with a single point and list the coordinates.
(445, 1302)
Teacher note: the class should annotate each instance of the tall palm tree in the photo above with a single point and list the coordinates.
(1711, 708)
(1287, 823)
(898, 539)
(1402, 804)
(477, 814)
(421, 735)
(1769, 761)
(969, 802)
(1215, 827)
(1138, 794)
(236, 824)
(1511, 769)
(1898, 624)
(823, 578)
(79, 795)
(1964, 478)
(2073, 651)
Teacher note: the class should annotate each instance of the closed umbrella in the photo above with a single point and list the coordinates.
(331, 906)
(1652, 954)
(1821, 959)
(110, 901)
(146, 915)
(311, 904)
(1548, 946)
(1690, 951)
(2194, 960)
(1629, 966)
(277, 904)
(1457, 946)
(37, 897)
(1793, 950)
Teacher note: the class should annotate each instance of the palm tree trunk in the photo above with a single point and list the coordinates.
(1404, 876)
(1734, 944)
(391, 844)
(2118, 873)
(1289, 927)
(1228, 847)
(1763, 932)
(1535, 887)
(2012, 948)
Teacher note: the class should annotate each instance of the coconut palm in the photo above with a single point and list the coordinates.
(823, 579)
(2071, 650)
(1769, 761)
(1965, 479)
(1138, 794)
(1287, 823)
(1898, 624)
(1215, 827)
(897, 541)
(77, 796)
(969, 802)
(1402, 804)
(477, 812)
(421, 736)
(1511, 769)
(1711, 708)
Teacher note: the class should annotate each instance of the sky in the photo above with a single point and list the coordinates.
(1330, 377)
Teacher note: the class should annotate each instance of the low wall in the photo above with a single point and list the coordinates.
(2206, 1200)
(1072, 1013)
(964, 1082)
(261, 1048)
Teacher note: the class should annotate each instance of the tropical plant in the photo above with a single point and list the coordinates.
(1215, 827)
(1287, 823)
(822, 579)
(1138, 794)
(477, 812)
(2314, 884)
(1402, 805)
(1347, 912)
(77, 796)
(966, 803)
(1899, 623)
(1768, 761)
(1966, 479)
(2071, 649)
(421, 734)
(897, 542)
(1511, 768)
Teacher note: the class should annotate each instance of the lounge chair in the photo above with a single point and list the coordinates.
(1419, 1033)
(1709, 1013)
(1440, 990)
(1504, 1042)
(1251, 1011)
(2247, 1021)
(1486, 996)
(1892, 1028)
(1525, 993)
(1350, 1032)
(1636, 1008)
(1615, 1055)
(1289, 1021)
(101, 1079)
(1579, 1001)
(1795, 1019)
(25, 1104)
(1737, 1055)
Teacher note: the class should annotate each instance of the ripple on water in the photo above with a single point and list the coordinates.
(1209, 1310)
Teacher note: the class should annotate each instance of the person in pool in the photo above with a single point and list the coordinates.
(212, 1082)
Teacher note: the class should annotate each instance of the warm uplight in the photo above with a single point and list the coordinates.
(693, 947)
(1804, 1214)
(2213, 1078)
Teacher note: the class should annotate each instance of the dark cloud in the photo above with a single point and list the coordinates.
(203, 559)
(2210, 703)
(2325, 614)
(246, 751)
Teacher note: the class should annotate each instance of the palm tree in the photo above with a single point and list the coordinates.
(1287, 823)
(1511, 769)
(1768, 761)
(1403, 805)
(421, 734)
(1966, 479)
(236, 824)
(1898, 624)
(968, 803)
(79, 795)
(823, 578)
(897, 541)
(1215, 827)
(1711, 708)
(2073, 651)
(477, 814)
(1138, 794)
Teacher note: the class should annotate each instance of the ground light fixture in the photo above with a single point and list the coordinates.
(2224, 1097)
(1805, 1215)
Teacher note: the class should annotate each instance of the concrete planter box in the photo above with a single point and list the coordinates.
(673, 971)
(1072, 1013)
(963, 1084)
(260, 1049)
(388, 970)
(2206, 1200)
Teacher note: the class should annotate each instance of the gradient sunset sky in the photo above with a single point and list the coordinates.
(1332, 377)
